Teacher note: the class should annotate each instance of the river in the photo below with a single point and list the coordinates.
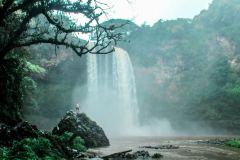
(189, 147)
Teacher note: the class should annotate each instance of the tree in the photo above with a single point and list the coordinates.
(28, 22)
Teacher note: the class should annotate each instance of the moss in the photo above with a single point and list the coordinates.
(233, 143)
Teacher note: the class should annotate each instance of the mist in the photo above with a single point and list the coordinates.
(111, 97)
(181, 73)
(131, 79)
(175, 77)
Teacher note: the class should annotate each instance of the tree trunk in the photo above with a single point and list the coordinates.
(10, 92)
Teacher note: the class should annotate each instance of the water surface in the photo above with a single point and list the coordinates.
(189, 149)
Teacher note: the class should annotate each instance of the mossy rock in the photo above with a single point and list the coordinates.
(79, 124)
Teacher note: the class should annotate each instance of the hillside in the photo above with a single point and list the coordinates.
(191, 68)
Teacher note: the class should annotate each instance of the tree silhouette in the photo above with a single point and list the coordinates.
(28, 22)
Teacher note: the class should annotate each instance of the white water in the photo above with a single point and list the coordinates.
(111, 95)
(111, 98)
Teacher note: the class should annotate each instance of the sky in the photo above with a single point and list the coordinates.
(150, 11)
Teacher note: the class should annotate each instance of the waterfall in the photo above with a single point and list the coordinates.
(92, 73)
(124, 81)
(111, 94)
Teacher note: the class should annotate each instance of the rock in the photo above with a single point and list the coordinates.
(25, 130)
(79, 124)
(140, 154)
(157, 156)
(22, 130)
(121, 154)
(130, 156)
(215, 141)
(168, 146)
(87, 155)
(126, 155)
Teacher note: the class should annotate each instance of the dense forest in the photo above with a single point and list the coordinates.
(190, 68)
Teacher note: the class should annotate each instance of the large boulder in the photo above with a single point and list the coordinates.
(79, 124)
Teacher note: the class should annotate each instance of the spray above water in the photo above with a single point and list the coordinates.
(111, 94)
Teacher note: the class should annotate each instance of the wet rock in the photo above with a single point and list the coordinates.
(168, 146)
(22, 130)
(87, 155)
(118, 155)
(213, 141)
(141, 154)
(157, 156)
(79, 124)
(130, 156)
(125, 155)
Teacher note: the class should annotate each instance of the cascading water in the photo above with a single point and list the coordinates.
(111, 97)
(124, 81)
(92, 73)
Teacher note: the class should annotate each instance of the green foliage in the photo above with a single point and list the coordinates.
(65, 137)
(31, 148)
(4, 153)
(18, 88)
(76, 143)
(33, 68)
(233, 90)
(40, 148)
(233, 143)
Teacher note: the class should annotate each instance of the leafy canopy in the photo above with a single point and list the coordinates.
(28, 22)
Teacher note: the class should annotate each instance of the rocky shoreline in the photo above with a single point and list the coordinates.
(70, 139)
(76, 133)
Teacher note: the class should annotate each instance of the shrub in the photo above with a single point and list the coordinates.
(40, 148)
(4, 153)
(33, 149)
(77, 143)
(233, 143)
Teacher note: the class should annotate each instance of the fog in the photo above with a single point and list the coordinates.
(173, 77)
(173, 80)
(110, 97)
(120, 79)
